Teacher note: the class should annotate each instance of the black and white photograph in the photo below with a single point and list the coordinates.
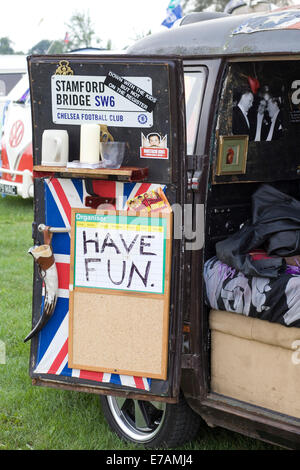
(257, 113)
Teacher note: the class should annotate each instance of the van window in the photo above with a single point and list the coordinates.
(8, 81)
(259, 123)
(194, 83)
(2, 88)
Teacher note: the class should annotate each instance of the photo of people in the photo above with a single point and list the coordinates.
(154, 145)
(273, 108)
(260, 121)
(240, 119)
(259, 110)
(257, 113)
(154, 140)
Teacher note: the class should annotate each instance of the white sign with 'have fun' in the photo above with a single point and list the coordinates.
(120, 252)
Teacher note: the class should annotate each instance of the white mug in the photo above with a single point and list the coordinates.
(55, 147)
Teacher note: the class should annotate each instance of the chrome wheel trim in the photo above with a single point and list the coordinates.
(135, 417)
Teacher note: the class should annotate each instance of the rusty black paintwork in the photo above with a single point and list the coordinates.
(165, 78)
(40, 70)
(215, 38)
(227, 207)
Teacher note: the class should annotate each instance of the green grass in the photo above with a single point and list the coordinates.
(41, 418)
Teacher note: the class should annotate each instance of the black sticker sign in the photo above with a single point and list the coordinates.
(130, 91)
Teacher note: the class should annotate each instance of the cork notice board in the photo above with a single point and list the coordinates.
(119, 292)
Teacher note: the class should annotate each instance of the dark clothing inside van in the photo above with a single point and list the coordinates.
(275, 227)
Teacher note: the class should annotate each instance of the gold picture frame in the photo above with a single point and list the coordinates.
(232, 155)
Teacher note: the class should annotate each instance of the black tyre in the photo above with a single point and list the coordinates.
(151, 424)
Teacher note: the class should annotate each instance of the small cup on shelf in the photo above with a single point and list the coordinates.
(112, 154)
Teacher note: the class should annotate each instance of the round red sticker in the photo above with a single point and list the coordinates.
(16, 134)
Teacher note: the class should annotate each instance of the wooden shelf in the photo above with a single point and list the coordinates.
(121, 174)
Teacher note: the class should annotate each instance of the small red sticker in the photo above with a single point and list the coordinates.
(154, 146)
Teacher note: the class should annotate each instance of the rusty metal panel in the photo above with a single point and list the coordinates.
(61, 110)
(235, 35)
(54, 195)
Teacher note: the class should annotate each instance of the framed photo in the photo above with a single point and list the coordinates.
(232, 155)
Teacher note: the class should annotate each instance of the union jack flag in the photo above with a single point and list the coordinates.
(283, 19)
(61, 195)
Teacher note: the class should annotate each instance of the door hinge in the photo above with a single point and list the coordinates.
(194, 170)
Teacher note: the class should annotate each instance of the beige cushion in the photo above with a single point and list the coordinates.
(254, 328)
(254, 361)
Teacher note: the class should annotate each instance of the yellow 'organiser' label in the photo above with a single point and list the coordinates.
(110, 226)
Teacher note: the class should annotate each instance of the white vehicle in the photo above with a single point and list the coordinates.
(16, 143)
(12, 69)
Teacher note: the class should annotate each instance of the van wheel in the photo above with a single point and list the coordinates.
(151, 423)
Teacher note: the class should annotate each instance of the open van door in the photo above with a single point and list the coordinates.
(118, 334)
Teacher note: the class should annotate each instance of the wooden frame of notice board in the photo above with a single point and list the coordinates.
(120, 273)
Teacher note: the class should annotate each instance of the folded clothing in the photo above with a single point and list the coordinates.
(273, 299)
